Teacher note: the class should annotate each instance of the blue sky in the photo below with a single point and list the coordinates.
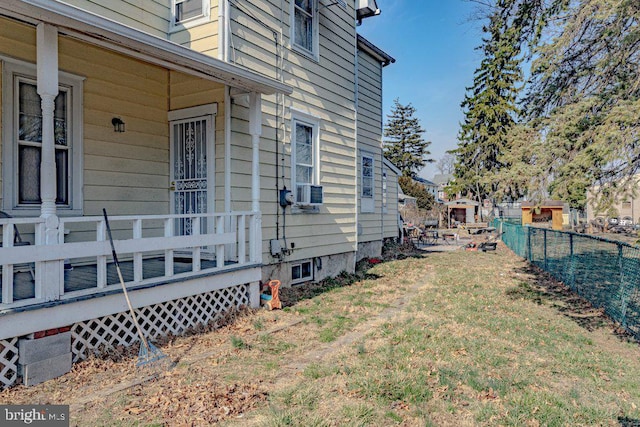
(433, 43)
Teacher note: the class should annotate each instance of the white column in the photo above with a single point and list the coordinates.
(49, 275)
(255, 128)
(47, 57)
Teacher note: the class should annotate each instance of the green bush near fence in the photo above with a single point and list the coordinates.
(605, 272)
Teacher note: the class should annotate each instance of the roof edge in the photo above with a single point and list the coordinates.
(368, 47)
(74, 21)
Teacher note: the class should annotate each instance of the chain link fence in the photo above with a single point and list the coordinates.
(605, 272)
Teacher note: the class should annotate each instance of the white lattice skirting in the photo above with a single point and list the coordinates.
(158, 320)
(8, 362)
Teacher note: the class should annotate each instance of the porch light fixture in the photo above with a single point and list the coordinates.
(118, 124)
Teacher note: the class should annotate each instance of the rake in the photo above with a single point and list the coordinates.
(148, 352)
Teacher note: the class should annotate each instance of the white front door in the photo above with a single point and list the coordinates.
(192, 160)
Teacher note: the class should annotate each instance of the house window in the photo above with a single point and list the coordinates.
(189, 12)
(301, 272)
(305, 26)
(305, 155)
(366, 183)
(22, 140)
(367, 177)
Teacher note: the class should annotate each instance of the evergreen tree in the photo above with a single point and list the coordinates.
(490, 107)
(582, 102)
(405, 147)
(411, 187)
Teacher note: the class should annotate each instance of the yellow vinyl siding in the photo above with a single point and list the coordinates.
(136, 92)
(372, 224)
(323, 89)
(17, 40)
(151, 16)
(202, 38)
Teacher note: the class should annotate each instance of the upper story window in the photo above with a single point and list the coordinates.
(22, 140)
(186, 13)
(305, 26)
(305, 156)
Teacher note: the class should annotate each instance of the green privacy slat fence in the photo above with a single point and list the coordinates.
(605, 272)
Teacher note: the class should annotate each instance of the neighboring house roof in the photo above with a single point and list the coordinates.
(391, 166)
(543, 204)
(442, 178)
(368, 47)
(425, 182)
(95, 29)
(402, 196)
(465, 202)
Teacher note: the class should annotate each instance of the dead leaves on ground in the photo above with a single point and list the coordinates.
(182, 403)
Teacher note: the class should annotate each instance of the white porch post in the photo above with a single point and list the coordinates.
(47, 51)
(48, 274)
(255, 128)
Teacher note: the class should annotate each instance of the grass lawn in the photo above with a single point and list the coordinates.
(453, 338)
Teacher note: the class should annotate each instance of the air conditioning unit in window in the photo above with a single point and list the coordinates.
(311, 195)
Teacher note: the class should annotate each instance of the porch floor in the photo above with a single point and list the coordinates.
(85, 276)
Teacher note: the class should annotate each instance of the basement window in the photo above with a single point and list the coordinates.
(301, 272)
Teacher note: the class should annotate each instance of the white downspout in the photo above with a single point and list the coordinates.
(227, 149)
(355, 136)
(255, 129)
(224, 30)
(385, 185)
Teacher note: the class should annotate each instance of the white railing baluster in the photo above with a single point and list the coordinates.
(101, 260)
(252, 237)
(7, 269)
(40, 238)
(195, 230)
(242, 236)
(168, 254)
(137, 256)
(220, 249)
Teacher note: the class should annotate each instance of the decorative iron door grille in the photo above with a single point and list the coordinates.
(190, 171)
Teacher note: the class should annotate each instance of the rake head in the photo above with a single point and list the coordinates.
(149, 354)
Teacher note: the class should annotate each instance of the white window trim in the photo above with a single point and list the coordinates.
(10, 68)
(367, 204)
(312, 54)
(191, 22)
(314, 122)
(302, 279)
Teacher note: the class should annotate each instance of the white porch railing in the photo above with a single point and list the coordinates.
(218, 242)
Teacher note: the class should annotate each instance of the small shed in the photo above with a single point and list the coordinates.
(545, 212)
(462, 211)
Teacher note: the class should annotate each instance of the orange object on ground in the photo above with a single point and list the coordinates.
(274, 302)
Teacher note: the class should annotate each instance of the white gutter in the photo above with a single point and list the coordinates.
(110, 34)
